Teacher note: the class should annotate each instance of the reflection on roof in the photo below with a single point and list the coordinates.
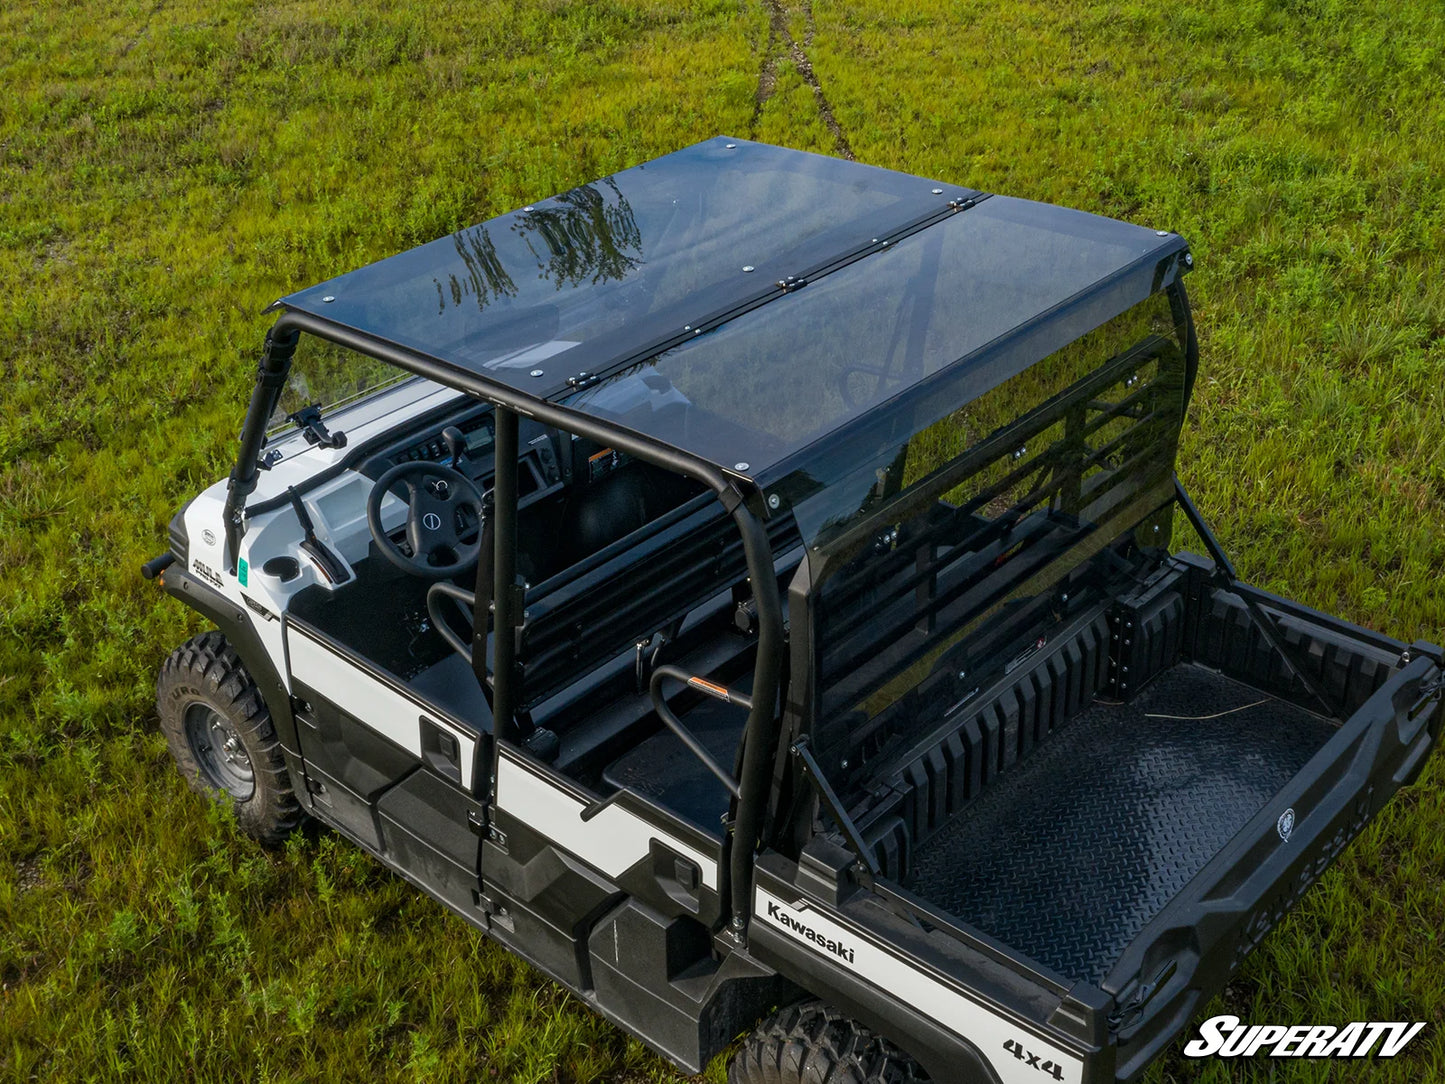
(621, 263)
(742, 301)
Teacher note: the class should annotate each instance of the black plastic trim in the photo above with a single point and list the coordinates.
(944, 1054)
(230, 617)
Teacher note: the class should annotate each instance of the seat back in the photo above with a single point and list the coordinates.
(599, 608)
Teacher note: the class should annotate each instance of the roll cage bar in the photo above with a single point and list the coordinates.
(738, 496)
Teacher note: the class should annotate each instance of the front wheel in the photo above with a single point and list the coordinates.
(810, 1043)
(220, 734)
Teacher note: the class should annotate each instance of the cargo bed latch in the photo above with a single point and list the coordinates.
(1133, 1007)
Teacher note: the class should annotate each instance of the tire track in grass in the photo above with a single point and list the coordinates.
(797, 55)
(144, 28)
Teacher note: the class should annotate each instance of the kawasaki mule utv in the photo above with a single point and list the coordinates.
(742, 587)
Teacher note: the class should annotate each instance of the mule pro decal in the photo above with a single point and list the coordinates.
(1017, 1056)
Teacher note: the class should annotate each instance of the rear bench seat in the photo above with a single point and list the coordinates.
(596, 612)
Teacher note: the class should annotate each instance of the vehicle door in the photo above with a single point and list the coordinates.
(395, 756)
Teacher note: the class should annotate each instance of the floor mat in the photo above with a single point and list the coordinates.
(1070, 854)
(665, 770)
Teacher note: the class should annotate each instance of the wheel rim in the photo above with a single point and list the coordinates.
(219, 751)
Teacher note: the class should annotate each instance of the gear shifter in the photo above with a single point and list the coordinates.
(456, 443)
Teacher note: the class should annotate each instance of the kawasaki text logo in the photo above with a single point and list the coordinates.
(788, 922)
(1226, 1037)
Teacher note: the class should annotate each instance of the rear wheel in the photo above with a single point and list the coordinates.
(810, 1043)
(220, 734)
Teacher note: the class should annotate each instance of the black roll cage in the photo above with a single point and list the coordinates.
(737, 495)
(760, 761)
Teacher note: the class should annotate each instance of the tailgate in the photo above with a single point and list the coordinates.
(1189, 950)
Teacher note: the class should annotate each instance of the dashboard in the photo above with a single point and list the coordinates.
(547, 459)
(575, 497)
(477, 429)
(566, 501)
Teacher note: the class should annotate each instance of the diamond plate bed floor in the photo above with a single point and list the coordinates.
(1070, 854)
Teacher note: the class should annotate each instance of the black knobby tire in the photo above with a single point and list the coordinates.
(220, 733)
(810, 1043)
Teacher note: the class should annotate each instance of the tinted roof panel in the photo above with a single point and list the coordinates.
(760, 388)
(611, 268)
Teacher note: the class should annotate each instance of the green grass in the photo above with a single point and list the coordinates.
(166, 171)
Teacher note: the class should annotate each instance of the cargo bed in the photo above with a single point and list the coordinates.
(1069, 856)
(1129, 805)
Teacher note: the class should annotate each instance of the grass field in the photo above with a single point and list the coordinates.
(166, 170)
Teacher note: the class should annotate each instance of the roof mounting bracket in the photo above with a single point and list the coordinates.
(867, 866)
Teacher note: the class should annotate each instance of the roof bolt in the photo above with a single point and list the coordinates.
(731, 146)
(1021, 452)
(741, 466)
(774, 501)
(938, 191)
(962, 674)
(686, 327)
(1161, 233)
(1064, 597)
(697, 331)
(845, 763)
(328, 299)
(875, 240)
(747, 267)
(527, 208)
(537, 372)
(1156, 531)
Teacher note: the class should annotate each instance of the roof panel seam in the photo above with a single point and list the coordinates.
(781, 288)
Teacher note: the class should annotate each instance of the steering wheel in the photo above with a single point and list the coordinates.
(433, 494)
